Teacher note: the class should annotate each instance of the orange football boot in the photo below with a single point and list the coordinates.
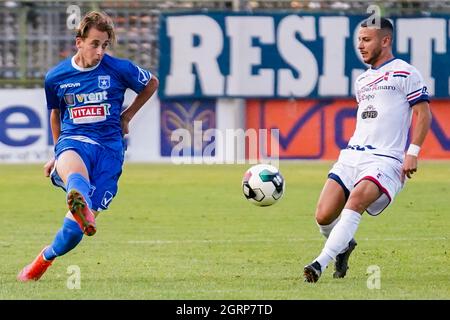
(81, 212)
(36, 269)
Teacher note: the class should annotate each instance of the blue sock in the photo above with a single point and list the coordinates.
(80, 183)
(65, 240)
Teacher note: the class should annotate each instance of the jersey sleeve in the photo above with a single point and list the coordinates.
(50, 94)
(135, 77)
(415, 88)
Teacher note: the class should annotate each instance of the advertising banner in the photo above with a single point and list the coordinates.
(183, 124)
(25, 135)
(264, 55)
(319, 129)
(182, 131)
(24, 126)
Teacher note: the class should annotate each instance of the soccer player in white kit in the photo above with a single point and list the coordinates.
(371, 171)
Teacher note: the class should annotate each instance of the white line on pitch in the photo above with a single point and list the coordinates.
(270, 241)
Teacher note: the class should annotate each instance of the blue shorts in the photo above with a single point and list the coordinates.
(103, 165)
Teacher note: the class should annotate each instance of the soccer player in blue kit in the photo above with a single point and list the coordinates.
(85, 94)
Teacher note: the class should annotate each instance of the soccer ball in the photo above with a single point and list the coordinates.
(263, 185)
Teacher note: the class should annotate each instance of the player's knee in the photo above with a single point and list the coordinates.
(323, 221)
(323, 216)
(360, 200)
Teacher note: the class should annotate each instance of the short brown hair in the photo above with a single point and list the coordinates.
(98, 20)
(384, 24)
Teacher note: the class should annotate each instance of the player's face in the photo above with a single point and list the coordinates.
(370, 45)
(92, 48)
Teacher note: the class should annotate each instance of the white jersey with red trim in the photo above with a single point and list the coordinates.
(385, 96)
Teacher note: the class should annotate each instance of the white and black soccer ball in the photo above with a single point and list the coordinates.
(263, 185)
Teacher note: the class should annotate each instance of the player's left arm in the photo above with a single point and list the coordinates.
(423, 123)
(138, 102)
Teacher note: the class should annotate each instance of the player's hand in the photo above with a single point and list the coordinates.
(409, 166)
(49, 166)
(124, 124)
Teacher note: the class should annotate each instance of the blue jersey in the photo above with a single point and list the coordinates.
(90, 99)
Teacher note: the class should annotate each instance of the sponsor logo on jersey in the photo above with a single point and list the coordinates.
(69, 99)
(89, 113)
(93, 97)
(378, 87)
(369, 113)
(144, 76)
(365, 96)
(70, 85)
(104, 82)
(368, 92)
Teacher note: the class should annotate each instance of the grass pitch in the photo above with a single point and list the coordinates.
(186, 232)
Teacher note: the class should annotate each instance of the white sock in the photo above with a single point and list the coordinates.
(339, 237)
(325, 229)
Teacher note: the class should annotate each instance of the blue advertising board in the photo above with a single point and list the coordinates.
(210, 55)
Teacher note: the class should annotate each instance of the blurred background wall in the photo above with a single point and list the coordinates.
(36, 35)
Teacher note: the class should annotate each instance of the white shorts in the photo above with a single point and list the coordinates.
(354, 166)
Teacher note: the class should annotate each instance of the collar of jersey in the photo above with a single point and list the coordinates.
(382, 65)
(83, 69)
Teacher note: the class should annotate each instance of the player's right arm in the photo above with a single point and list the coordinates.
(53, 106)
(55, 125)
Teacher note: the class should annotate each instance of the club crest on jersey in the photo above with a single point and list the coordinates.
(144, 76)
(369, 113)
(69, 99)
(104, 82)
(89, 113)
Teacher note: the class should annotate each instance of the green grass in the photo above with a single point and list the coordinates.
(186, 232)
